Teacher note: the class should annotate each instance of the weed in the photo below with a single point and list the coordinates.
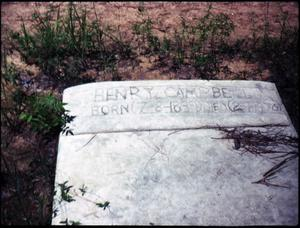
(279, 54)
(144, 32)
(194, 45)
(83, 189)
(46, 114)
(67, 45)
(64, 190)
(207, 65)
(178, 50)
(103, 205)
(12, 95)
(165, 46)
(210, 33)
(71, 222)
(65, 196)
(64, 45)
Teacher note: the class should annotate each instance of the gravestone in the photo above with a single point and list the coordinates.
(154, 153)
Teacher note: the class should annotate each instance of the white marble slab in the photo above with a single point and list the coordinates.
(149, 148)
(127, 106)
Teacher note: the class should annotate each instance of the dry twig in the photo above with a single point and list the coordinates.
(266, 143)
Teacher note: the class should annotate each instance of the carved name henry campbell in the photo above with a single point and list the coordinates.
(139, 100)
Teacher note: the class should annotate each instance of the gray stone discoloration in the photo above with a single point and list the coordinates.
(156, 169)
(174, 104)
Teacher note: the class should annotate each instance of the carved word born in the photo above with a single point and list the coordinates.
(176, 99)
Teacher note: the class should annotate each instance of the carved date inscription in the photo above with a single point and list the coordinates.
(177, 99)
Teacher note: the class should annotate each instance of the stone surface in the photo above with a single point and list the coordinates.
(151, 149)
(125, 106)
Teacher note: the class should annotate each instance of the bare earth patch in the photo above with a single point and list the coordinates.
(167, 17)
(33, 158)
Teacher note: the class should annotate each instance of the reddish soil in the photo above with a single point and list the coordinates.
(166, 16)
(34, 157)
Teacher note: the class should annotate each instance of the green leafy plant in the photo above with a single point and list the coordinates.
(143, 30)
(206, 65)
(103, 205)
(83, 189)
(195, 44)
(165, 46)
(65, 46)
(178, 50)
(70, 223)
(277, 52)
(46, 114)
(64, 190)
(12, 95)
(210, 33)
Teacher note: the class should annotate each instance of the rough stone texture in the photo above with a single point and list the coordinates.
(127, 106)
(150, 148)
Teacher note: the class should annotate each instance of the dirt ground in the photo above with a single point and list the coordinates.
(167, 17)
(167, 14)
(35, 159)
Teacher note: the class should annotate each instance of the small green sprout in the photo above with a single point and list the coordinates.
(64, 189)
(72, 223)
(103, 205)
(83, 189)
